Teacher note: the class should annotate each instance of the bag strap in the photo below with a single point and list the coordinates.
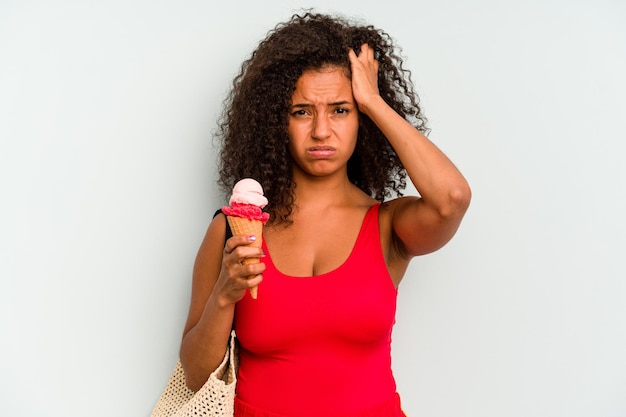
(229, 233)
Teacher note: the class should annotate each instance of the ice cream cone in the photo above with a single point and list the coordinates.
(245, 227)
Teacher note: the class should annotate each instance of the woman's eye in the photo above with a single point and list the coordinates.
(341, 110)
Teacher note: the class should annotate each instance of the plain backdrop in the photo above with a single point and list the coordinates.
(107, 176)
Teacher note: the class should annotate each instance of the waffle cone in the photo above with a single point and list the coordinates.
(245, 227)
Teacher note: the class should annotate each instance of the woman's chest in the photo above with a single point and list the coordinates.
(353, 304)
(315, 247)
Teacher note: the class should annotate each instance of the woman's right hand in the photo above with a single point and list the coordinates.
(236, 276)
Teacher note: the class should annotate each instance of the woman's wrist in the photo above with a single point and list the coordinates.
(371, 108)
(221, 302)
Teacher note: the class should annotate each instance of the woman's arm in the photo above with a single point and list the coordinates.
(420, 225)
(219, 281)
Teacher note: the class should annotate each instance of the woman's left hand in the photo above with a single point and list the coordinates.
(364, 76)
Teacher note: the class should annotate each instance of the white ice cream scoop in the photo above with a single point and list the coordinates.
(248, 191)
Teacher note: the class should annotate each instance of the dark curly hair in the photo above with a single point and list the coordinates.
(253, 125)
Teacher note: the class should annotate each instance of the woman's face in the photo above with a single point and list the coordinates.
(323, 122)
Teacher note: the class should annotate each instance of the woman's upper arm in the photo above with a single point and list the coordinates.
(206, 269)
(418, 228)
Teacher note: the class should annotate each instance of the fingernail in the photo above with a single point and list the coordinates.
(251, 238)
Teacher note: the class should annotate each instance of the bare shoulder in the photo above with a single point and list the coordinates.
(214, 237)
(209, 257)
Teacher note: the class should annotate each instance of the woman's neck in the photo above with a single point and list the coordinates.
(319, 193)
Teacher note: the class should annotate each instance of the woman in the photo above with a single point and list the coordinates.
(324, 116)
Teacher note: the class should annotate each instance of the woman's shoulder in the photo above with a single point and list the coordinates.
(215, 236)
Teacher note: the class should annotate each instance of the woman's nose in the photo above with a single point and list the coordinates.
(321, 127)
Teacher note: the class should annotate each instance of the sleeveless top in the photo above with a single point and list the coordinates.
(320, 345)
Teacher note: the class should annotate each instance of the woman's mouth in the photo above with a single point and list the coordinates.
(321, 151)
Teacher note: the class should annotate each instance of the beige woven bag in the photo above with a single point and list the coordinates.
(215, 398)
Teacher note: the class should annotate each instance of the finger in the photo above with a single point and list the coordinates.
(253, 281)
(251, 269)
(247, 281)
(236, 241)
(244, 261)
(243, 253)
(352, 56)
(361, 55)
(370, 53)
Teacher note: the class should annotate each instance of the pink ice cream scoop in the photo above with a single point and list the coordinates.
(247, 201)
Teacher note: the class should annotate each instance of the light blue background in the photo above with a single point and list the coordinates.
(107, 178)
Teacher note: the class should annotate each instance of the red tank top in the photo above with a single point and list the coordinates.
(321, 345)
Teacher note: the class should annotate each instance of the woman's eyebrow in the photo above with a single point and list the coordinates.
(334, 103)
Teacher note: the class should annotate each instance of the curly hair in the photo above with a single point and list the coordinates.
(253, 124)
